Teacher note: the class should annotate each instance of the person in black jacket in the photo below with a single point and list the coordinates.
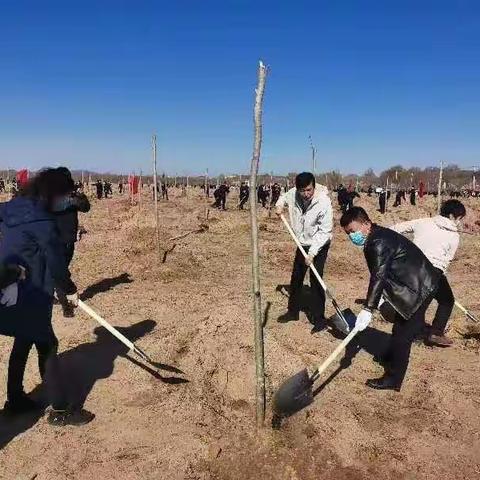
(405, 277)
(244, 195)
(31, 240)
(66, 213)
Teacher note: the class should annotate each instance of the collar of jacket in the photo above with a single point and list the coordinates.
(315, 199)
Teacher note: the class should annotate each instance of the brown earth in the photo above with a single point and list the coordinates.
(151, 426)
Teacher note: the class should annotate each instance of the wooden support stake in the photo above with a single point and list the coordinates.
(257, 299)
(155, 192)
(439, 195)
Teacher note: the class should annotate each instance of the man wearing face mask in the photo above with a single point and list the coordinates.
(311, 218)
(400, 272)
(438, 238)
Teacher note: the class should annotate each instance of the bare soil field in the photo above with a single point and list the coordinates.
(195, 417)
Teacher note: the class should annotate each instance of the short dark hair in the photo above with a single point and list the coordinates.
(303, 180)
(453, 207)
(46, 185)
(354, 214)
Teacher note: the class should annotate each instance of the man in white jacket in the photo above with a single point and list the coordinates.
(438, 238)
(311, 218)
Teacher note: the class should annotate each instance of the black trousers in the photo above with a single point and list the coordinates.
(446, 301)
(404, 333)
(382, 201)
(221, 202)
(298, 275)
(243, 201)
(48, 365)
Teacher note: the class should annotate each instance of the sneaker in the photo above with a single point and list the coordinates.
(289, 317)
(384, 383)
(68, 311)
(62, 418)
(21, 404)
(439, 340)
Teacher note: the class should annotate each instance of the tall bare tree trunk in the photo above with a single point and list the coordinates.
(155, 192)
(257, 299)
(439, 193)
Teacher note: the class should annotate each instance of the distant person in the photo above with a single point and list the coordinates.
(413, 196)
(276, 192)
(351, 198)
(382, 200)
(164, 191)
(370, 191)
(399, 196)
(120, 188)
(220, 196)
(99, 188)
(438, 238)
(262, 195)
(311, 218)
(244, 195)
(407, 280)
(343, 198)
(30, 239)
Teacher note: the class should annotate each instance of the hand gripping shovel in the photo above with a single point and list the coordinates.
(343, 320)
(297, 392)
(131, 346)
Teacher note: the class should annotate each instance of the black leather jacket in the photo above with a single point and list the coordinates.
(399, 270)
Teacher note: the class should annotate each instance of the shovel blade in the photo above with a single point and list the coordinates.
(293, 394)
(344, 325)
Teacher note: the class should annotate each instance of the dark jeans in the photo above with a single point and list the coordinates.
(446, 301)
(69, 251)
(49, 370)
(220, 202)
(243, 201)
(298, 275)
(404, 333)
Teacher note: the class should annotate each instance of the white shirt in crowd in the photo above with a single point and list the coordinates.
(437, 237)
(313, 227)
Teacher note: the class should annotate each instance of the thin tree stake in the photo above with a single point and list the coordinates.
(155, 193)
(257, 298)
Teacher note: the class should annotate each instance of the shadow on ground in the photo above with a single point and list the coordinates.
(85, 365)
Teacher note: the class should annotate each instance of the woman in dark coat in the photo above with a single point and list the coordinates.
(31, 240)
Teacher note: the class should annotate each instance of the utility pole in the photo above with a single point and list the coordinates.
(314, 151)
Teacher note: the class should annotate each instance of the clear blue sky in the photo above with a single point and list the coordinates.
(375, 83)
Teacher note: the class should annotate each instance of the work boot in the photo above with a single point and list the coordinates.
(21, 404)
(384, 383)
(289, 317)
(76, 418)
(439, 340)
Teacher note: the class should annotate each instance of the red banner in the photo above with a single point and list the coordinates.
(421, 190)
(22, 177)
(133, 184)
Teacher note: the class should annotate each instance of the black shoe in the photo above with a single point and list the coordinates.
(289, 317)
(384, 383)
(68, 311)
(62, 418)
(21, 404)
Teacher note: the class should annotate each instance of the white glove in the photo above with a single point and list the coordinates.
(363, 320)
(381, 302)
(9, 295)
(73, 299)
(309, 260)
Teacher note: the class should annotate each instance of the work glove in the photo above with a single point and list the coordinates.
(381, 302)
(9, 295)
(279, 211)
(363, 320)
(73, 299)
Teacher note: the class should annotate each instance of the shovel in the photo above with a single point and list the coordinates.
(131, 346)
(342, 320)
(297, 392)
(469, 314)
